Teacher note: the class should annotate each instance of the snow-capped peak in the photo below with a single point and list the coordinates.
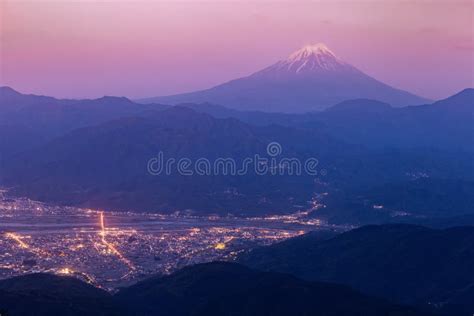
(315, 59)
(312, 58)
(319, 49)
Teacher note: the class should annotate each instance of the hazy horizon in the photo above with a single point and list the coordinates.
(173, 47)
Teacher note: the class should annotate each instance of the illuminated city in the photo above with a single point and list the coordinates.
(113, 249)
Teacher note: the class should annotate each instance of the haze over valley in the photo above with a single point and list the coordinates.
(237, 158)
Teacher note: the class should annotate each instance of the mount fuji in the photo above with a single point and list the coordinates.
(312, 78)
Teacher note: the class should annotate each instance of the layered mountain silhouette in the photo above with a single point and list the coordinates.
(95, 152)
(446, 124)
(218, 289)
(28, 120)
(310, 79)
(106, 165)
(405, 263)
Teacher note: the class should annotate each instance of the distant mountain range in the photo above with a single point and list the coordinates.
(310, 79)
(94, 153)
(214, 289)
(404, 263)
(30, 120)
(446, 124)
(106, 165)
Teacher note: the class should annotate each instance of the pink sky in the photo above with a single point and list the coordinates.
(149, 48)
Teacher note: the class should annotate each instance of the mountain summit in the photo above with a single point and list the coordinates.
(309, 59)
(309, 79)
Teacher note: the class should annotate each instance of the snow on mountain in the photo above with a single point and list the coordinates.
(311, 78)
(311, 58)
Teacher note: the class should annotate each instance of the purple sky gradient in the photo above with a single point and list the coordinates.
(137, 49)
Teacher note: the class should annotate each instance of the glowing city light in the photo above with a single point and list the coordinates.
(80, 243)
(65, 271)
(111, 248)
(18, 239)
(220, 246)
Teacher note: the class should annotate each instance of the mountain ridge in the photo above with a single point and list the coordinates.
(216, 288)
(409, 264)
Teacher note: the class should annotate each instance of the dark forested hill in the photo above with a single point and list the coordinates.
(46, 294)
(405, 263)
(206, 289)
(231, 289)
